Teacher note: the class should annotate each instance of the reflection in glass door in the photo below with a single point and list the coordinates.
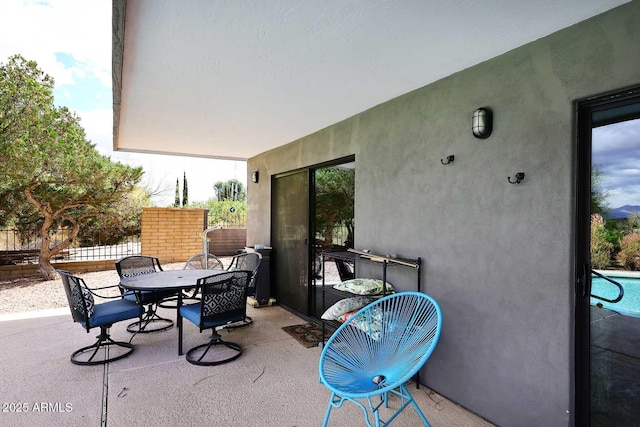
(615, 246)
(608, 361)
(332, 200)
(290, 240)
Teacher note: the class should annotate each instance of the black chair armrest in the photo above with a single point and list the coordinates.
(101, 288)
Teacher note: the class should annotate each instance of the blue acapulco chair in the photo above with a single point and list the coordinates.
(377, 350)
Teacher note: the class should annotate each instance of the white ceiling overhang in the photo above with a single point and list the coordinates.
(231, 79)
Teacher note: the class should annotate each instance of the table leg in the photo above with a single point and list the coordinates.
(179, 321)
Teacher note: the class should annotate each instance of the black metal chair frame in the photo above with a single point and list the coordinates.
(79, 305)
(239, 262)
(216, 290)
(345, 269)
(144, 264)
(195, 262)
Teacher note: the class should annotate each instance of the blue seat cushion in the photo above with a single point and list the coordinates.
(191, 312)
(114, 311)
(148, 297)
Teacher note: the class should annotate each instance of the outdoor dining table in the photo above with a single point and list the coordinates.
(177, 280)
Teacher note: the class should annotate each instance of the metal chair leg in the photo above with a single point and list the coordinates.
(219, 356)
(105, 343)
(152, 318)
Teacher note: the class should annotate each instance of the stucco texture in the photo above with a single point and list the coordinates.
(498, 257)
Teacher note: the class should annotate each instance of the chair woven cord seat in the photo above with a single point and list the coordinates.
(378, 350)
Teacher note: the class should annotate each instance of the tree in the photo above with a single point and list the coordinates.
(50, 174)
(185, 192)
(111, 230)
(176, 202)
(629, 255)
(21, 118)
(599, 196)
(231, 190)
(335, 192)
(600, 247)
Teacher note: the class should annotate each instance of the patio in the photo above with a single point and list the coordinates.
(274, 382)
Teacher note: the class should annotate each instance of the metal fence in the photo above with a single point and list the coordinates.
(231, 220)
(16, 249)
(340, 233)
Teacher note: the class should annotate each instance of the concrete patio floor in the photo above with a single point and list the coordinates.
(274, 382)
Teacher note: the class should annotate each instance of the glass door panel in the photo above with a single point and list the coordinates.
(290, 240)
(607, 265)
(615, 245)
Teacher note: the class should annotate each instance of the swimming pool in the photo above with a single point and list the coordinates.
(629, 305)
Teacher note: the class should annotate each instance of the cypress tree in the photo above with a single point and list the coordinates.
(176, 203)
(185, 191)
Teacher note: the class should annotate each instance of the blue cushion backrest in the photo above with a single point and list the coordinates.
(114, 311)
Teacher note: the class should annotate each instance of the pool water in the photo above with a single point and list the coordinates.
(629, 305)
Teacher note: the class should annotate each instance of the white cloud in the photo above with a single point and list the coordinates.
(81, 29)
(38, 30)
(616, 154)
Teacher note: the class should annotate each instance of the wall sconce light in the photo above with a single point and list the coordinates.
(519, 177)
(450, 159)
(482, 123)
(255, 176)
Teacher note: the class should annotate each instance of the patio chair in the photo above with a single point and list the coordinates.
(249, 261)
(377, 350)
(223, 301)
(90, 315)
(198, 262)
(151, 322)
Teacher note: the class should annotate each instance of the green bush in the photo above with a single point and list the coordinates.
(629, 255)
(600, 247)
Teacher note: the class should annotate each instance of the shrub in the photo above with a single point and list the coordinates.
(600, 247)
(629, 255)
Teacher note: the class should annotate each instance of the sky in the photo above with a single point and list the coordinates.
(71, 41)
(616, 153)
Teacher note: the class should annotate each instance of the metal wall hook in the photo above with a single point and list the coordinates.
(519, 177)
(450, 159)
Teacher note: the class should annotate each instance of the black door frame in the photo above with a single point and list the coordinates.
(311, 219)
(274, 213)
(590, 112)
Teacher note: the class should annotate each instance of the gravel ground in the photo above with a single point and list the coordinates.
(32, 294)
